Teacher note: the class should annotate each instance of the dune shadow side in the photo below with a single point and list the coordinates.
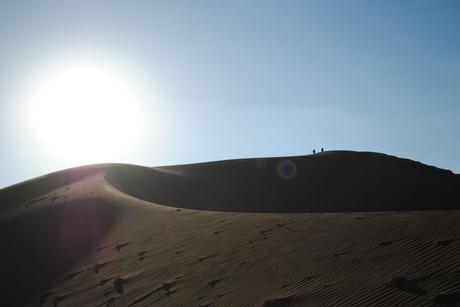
(41, 245)
(332, 182)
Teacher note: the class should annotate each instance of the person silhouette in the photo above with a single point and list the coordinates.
(314, 151)
(322, 149)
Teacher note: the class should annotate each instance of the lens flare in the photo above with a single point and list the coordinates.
(286, 169)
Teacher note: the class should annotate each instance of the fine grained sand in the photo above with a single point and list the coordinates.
(338, 229)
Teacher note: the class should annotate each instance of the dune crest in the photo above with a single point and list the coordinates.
(327, 182)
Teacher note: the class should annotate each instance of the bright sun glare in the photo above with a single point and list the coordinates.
(85, 114)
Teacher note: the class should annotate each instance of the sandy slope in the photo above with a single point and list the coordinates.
(85, 237)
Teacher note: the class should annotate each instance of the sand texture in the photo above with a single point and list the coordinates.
(331, 229)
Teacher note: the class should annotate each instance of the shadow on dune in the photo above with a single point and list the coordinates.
(328, 182)
(40, 245)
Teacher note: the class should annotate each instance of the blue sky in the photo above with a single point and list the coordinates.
(232, 79)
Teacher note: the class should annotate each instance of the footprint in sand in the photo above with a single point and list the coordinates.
(108, 302)
(54, 198)
(202, 259)
(104, 281)
(99, 266)
(118, 285)
(31, 202)
(143, 253)
(101, 248)
(71, 275)
(143, 257)
(119, 246)
(214, 282)
(267, 230)
(165, 287)
(284, 226)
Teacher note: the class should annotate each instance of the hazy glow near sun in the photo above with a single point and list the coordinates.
(85, 114)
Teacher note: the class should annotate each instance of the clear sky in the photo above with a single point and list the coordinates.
(231, 79)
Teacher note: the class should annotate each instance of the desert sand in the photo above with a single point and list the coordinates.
(337, 228)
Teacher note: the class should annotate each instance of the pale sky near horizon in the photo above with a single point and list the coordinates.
(232, 79)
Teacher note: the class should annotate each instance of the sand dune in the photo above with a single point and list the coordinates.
(326, 182)
(333, 229)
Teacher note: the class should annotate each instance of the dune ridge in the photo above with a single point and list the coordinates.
(326, 182)
(115, 236)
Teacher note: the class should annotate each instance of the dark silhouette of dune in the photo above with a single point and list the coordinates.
(327, 182)
(99, 235)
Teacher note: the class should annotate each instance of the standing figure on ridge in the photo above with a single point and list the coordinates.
(322, 149)
(314, 151)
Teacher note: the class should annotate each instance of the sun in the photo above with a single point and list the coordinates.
(85, 114)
